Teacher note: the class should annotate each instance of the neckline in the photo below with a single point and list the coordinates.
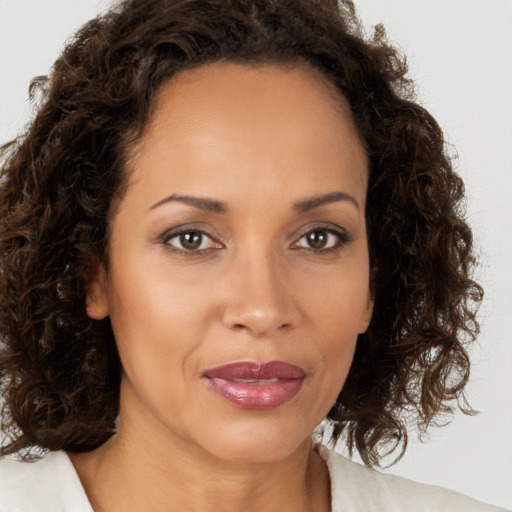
(76, 486)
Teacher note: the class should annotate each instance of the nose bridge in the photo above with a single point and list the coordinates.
(260, 301)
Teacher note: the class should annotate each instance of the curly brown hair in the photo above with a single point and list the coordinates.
(59, 370)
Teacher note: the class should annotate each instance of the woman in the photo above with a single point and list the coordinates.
(228, 221)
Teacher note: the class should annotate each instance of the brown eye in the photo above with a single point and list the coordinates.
(190, 241)
(317, 239)
(322, 239)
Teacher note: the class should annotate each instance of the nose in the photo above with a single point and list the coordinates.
(260, 299)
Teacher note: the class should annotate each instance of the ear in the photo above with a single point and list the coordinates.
(367, 315)
(96, 299)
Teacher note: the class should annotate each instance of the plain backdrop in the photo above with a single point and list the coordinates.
(460, 56)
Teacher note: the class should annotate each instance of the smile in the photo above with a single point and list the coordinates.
(253, 385)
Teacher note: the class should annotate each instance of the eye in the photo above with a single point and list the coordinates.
(322, 239)
(190, 241)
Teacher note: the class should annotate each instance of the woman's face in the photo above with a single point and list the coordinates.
(241, 241)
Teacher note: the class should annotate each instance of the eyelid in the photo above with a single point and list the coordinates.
(176, 231)
(343, 236)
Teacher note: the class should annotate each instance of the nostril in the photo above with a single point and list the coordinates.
(259, 320)
(242, 328)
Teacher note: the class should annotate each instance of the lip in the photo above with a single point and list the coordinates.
(254, 385)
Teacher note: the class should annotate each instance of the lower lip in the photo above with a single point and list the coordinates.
(257, 395)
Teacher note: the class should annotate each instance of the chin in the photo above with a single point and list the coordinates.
(258, 443)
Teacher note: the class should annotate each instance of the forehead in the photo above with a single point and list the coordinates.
(237, 121)
(252, 79)
(220, 84)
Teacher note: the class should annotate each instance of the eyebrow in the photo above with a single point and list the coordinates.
(215, 206)
(314, 202)
(202, 203)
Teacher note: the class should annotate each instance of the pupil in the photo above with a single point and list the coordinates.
(191, 240)
(317, 239)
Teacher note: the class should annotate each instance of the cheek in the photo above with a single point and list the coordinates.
(337, 307)
(156, 322)
(336, 344)
(156, 298)
(158, 335)
(338, 301)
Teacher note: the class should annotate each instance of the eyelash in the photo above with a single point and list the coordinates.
(189, 253)
(342, 236)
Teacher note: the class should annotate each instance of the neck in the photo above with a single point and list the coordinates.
(139, 473)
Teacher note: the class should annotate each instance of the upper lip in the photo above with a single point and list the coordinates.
(253, 370)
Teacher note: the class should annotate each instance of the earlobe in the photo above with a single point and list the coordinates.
(96, 300)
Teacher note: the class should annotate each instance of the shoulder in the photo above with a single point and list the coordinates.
(51, 483)
(356, 488)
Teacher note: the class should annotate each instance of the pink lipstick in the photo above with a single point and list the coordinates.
(253, 385)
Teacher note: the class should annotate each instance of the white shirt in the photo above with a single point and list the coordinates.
(52, 485)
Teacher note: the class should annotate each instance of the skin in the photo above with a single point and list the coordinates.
(262, 141)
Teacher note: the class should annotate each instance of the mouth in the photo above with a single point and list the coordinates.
(253, 385)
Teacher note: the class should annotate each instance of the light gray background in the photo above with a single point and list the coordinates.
(460, 54)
